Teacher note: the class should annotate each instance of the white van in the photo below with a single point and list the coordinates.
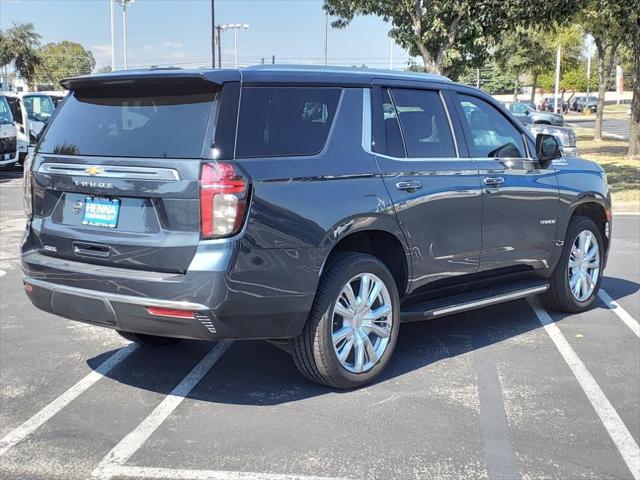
(8, 141)
(31, 111)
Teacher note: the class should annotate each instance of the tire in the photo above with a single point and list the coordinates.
(313, 351)
(560, 295)
(148, 340)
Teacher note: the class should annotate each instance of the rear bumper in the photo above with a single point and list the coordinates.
(13, 158)
(119, 298)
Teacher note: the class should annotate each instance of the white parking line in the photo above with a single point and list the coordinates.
(117, 457)
(184, 474)
(615, 307)
(2, 273)
(616, 428)
(35, 422)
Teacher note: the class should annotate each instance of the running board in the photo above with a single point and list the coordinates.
(470, 301)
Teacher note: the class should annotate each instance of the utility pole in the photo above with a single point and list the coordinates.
(557, 89)
(273, 59)
(390, 53)
(125, 4)
(478, 78)
(326, 38)
(218, 30)
(112, 7)
(588, 70)
(213, 33)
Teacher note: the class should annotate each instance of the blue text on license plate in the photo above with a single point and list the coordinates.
(101, 212)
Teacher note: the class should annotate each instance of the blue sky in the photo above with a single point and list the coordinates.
(177, 32)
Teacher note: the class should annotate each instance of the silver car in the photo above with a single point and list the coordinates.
(528, 115)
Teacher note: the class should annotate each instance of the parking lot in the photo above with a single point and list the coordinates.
(508, 392)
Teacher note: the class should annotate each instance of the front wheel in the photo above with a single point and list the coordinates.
(353, 325)
(576, 279)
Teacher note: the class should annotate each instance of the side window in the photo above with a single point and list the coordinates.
(424, 124)
(493, 135)
(285, 121)
(392, 136)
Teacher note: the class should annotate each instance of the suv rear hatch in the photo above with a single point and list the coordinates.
(116, 175)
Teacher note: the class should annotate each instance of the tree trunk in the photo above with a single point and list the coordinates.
(634, 121)
(602, 89)
(516, 87)
(534, 85)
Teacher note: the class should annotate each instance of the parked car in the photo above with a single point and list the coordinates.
(549, 105)
(527, 115)
(315, 208)
(31, 111)
(590, 103)
(56, 96)
(565, 135)
(8, 140)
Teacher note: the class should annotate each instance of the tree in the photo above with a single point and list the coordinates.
(449, 35)
(19, 44)
(634, 121)
(62, 60)
(611, 23)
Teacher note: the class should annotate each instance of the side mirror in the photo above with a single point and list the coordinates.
(547, 148)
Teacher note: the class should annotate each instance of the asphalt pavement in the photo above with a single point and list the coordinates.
(507, 392)
(615, 127)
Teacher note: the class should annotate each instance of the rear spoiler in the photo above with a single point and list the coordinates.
(151, 77)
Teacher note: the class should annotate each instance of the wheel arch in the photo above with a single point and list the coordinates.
(389, 247)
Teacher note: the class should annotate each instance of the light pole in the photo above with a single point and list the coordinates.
(326, 38)
(125, 4)
(235, 27)
(113, 35)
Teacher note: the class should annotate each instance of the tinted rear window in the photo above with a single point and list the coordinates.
(285, 121)
(131, 122)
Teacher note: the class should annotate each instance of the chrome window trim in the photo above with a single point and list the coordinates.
(110, 171)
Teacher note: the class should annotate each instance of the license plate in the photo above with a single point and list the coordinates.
(101, 212)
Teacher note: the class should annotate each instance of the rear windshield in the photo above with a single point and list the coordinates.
(285, 121)
(132, 122)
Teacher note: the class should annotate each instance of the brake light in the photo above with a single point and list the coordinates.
(223, 196)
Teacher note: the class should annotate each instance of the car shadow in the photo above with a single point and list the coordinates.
(260, 374)
(619, 288)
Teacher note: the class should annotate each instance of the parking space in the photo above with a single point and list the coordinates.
(489, 394)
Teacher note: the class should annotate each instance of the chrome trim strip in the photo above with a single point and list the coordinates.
(116, 297)
(366, 120)
(485, 302)
(111, 171)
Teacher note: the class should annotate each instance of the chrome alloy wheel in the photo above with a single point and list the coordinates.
(584, 265)
(361, 323)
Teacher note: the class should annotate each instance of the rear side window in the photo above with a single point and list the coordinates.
(285, 121)
(492, 134)
(135, 122)
(424, 124)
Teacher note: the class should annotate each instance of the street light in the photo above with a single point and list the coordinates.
(235, 27)
(125, 4)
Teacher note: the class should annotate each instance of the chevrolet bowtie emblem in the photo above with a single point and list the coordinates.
(93, 171)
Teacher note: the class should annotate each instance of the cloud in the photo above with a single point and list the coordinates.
(179, 55)
(102, 54)
(148, 48)
(170, 44)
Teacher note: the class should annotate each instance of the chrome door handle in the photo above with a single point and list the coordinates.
(493, 181)
(409, 186)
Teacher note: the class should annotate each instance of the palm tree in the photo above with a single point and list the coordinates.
(19, 44)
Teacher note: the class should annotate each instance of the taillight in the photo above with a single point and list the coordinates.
(223, 195)
(26, 185)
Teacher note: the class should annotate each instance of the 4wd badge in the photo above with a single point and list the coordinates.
(77, 207)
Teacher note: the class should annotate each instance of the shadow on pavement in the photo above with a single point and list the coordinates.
(258, 373)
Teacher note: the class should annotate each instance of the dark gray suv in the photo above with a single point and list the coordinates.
(315, 208)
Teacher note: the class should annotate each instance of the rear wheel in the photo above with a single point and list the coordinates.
(353, 325)
(148, 340)
(576, 279)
